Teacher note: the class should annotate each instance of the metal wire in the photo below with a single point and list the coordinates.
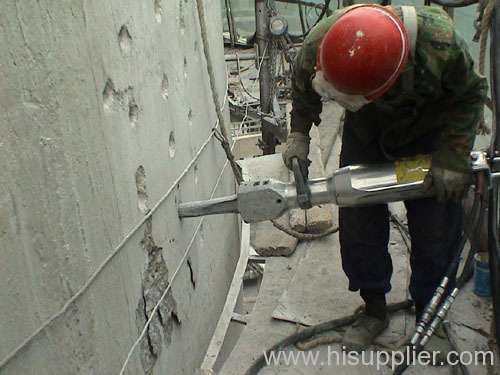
(48, 322)
(176, 272)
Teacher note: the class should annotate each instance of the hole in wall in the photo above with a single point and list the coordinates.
(158, 10)
(171, 144)
(190, 117)
(185, 68)
(108, 95)
(182, 21)
(140, 183)
(196, 46)
(164, 87)
(133, 113)
(125, 41)
(195, 171)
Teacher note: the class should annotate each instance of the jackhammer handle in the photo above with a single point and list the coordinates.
(302, 185)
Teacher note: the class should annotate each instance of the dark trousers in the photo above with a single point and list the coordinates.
(435, 230)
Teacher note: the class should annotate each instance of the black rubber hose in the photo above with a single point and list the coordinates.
(454, 3)
(468, 267)
(493, 240)
(296, 38)
(417, 349)
(494, 258)
(495, 81)
(260, 362)
(304, 3)
(301, 17)
(452, 267)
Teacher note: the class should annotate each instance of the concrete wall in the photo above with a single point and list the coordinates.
(102, 106)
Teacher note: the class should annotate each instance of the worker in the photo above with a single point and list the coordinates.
(407, 90)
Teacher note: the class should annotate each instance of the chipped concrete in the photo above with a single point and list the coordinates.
(154, 283)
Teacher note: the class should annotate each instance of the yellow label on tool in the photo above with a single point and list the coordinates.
(412, 169)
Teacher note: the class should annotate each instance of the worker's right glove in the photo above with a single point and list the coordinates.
(297, 145)
(448, 184)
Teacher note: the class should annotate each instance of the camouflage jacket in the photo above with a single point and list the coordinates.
(447, 96)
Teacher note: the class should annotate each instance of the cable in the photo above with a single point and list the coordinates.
(96, 273)
(222, 137)
(186, 253)
(301, 17)
(436, 309)
(239, 77)
(304, 236)
(323, 12)
(215, 96)
(308, 11)
(493, 239)
(403, 231)
(48, 322)
(468, 267)
(454, 3)
(299, 2)
(260, 362)
(259, 68)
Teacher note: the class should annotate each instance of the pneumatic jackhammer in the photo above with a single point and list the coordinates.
(355, 185)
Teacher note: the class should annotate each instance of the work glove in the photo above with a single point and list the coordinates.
(297, 145)
(448, 184)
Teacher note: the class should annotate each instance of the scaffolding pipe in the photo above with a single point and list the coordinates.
(230, 23)
(243, 57)
(262, 37)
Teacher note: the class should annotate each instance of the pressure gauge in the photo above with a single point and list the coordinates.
(278, 25)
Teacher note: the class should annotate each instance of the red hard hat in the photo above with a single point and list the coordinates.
(364, 51)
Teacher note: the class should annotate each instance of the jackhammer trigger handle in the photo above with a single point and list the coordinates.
(302, 186)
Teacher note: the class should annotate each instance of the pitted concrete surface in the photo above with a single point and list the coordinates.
(103, 104)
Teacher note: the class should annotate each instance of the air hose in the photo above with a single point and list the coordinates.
(468, 267)
(493, 240)
(260, 362)
(296, 38)
(436, 310)
(454, 3)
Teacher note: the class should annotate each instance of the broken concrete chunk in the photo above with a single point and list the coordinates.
(270, 241)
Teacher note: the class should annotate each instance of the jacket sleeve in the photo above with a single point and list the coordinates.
(466, 90)
(306, 103)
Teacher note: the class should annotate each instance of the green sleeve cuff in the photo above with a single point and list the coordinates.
(300, 126)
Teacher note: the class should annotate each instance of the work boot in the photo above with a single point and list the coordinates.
(438, 347)
(369, 325)
(363, 331)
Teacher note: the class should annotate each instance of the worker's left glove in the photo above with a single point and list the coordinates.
(448, 184)
(297, 145)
